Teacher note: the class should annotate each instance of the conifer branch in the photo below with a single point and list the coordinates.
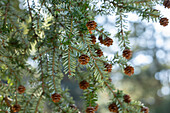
(53, 71)
(42, 74)
(130, 8)
(121, 26)
(47, 63)
(40, 54)
(101, 32)
(6, 11)
(70, 46)
(39, 14)
(11, 70)
(38, 102)
(30, 11)
(102, 75)
(29, 100)
(76, 49)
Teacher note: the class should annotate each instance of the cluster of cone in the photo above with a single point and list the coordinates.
(84, 59)
(16, 107)
(107, 41)
(164, 21)
(115, 109)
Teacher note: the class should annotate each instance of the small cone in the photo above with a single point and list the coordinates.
(56, 97)
(83, 84)
(84, 59)
(166, 3)
(99, 53)
(91, 25)
(127, 53)
(129, 70)
(164, 22)
(21, 89)
(16, 108)
(108, 67)
(101, 39)
(108, 41)
(93, 39)
(127, 98)
(113, 108)
(90, 110)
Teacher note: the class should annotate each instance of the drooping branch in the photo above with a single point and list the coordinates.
(53, 71)
(40, 98)
(6, 12)
(70, 46)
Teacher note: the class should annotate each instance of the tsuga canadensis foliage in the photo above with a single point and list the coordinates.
(63, 38)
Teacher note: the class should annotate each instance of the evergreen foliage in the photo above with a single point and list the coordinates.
(55, 33)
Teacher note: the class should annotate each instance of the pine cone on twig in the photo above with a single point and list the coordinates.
(84, 84)
(56, 97)
(129, 70)
(84, 59)
(90, 110)
(164, 22)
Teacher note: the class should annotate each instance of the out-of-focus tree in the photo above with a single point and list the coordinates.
(150, 83)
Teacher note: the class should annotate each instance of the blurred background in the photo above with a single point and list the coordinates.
(150, 44)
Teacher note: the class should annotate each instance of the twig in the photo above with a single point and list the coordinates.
(38, 102)
(70, 47)
(12, 71)
(76, 49)
(39, 13)
(30, 10)
(102, 75)
(43, 53)
(101, 32)
(121, 25)
(53, 64)
(6, 11)
(29, 100)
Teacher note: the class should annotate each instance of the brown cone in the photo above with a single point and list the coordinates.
(101, 39)
(113, 108)
(16, 108)
(129, 70)
(56, 97)
(166, 3)
(99, 53)
(84, 59)
(83, 84)
(108, 41)
(90, 110)
(145, 109)
(108, 67)
(127, 98)
(21, 89)
(93, 39)
(91, 25)
(127, 53)
(164, 22)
